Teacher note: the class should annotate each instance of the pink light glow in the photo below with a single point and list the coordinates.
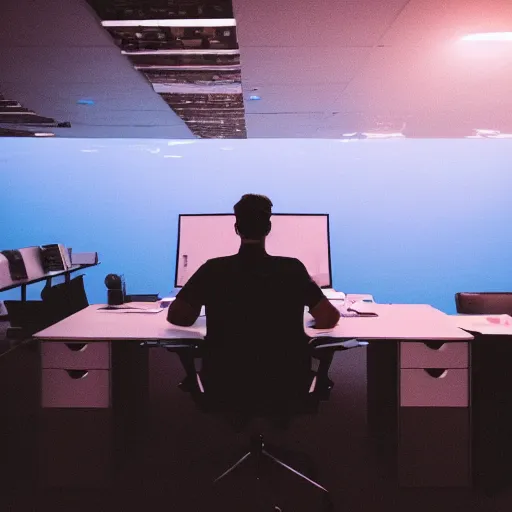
(488, 36)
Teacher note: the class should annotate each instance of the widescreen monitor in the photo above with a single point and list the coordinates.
(303, 236)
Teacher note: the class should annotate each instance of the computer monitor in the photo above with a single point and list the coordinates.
(303, 236)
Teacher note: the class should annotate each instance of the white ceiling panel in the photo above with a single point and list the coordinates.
(427, 22)
(293, 98)
(290, 66)
(68, 65)
(54, 54)
(379, 65)
(426, 80)
(303, 125)
(321, 23)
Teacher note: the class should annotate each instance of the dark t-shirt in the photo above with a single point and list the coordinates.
(254, 306)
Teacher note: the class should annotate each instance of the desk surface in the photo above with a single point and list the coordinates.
(407, 322)
(495, 325)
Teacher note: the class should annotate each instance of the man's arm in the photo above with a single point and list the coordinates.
(182, 313)
(186, 307)
(325, 314)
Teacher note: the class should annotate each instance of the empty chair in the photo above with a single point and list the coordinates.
(484, 303)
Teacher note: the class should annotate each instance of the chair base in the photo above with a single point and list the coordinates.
(256, 453)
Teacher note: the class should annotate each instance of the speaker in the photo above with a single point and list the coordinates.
(115, 297)
(116, 289)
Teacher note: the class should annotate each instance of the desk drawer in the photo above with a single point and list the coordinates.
(434, 388)
(75, 388)
(434, 355)
(76, 356)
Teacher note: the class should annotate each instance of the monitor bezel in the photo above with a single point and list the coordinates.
(273, 215)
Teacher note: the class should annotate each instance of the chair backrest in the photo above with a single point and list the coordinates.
(64, 299)
(275, 398)
(484, 303)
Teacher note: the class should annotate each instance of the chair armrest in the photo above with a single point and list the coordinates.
(338, 345)
(199, 383)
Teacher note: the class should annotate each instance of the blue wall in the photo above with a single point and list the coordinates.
(411, 220)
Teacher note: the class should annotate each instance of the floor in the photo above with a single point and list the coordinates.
(183, 449)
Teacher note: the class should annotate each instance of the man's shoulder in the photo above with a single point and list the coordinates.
(283, 262)
(288, 262)
(221, 260)
(286, 259)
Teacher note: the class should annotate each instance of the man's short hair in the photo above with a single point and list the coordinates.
(253, 213)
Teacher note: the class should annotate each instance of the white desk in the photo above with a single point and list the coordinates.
(428, 404)
(406, 322)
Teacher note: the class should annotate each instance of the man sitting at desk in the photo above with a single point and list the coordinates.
(254, 305)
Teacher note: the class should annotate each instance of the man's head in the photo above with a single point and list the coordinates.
(253, 213)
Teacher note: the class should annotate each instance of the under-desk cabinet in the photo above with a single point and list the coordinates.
(93, 399)
(76, 434)
(76, 448)
(434, 436)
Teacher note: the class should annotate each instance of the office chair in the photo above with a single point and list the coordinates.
(484, 303)
(306, 403)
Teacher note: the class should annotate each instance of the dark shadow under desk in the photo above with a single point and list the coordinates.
(492, 411)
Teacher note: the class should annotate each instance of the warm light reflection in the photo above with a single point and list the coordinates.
(195, 22)
(489, 134)
(488, 36)
(180, 142)
(44, 134)
(372, 135)
(394, 135)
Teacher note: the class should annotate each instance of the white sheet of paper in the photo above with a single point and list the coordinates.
(363, 307)
(331, 294)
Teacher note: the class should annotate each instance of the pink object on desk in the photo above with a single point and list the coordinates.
(498, 320)
(485, 324)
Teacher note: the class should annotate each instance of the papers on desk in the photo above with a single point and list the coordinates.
(357, 309)
(363, 308)
(485, 324)
(125, 308)
(332, 294)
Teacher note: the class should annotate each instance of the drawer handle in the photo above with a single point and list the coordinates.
(437, 373)
(76, 347)
(78, 374)
(435, 345)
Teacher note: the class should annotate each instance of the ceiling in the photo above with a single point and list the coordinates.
(323, 69)
(331, 67)
(57, 60)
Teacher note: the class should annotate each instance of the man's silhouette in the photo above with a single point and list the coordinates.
(254, 305)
